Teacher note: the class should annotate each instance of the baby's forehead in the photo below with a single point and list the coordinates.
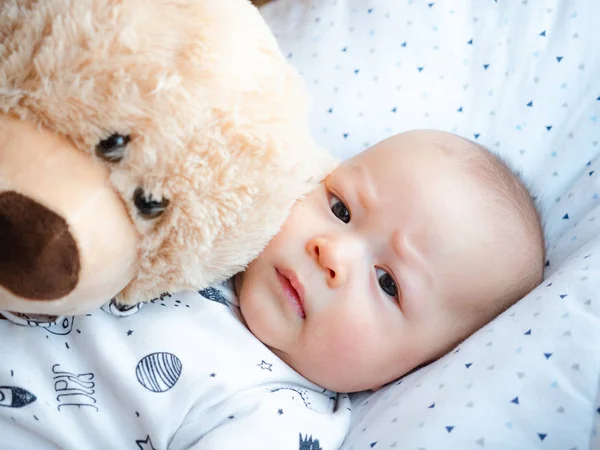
(427, 156)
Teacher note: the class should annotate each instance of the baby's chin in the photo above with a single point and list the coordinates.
(336, 384)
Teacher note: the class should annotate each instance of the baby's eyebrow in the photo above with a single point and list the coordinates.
(366, 194)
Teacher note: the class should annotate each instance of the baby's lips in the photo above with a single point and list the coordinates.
(296, 285)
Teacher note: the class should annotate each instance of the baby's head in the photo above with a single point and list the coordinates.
(402, 252)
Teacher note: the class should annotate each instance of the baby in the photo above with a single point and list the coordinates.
(404, 250)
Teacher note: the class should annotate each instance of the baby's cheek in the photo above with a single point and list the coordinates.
(343, 357)
(256, 312)
(347, 341)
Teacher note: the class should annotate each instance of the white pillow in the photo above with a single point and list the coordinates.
(521, 77)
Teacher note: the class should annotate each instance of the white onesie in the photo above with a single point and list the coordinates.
(182, 372)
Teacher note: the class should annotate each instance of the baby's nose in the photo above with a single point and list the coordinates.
(334, 255)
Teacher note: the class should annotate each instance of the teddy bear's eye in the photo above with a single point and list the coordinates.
(147, 206)
(112, 149)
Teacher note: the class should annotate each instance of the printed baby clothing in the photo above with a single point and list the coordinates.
(183, 372)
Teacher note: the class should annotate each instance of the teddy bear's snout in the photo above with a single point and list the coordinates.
(39, 258)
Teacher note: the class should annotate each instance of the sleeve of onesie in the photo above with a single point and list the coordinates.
(282, 422)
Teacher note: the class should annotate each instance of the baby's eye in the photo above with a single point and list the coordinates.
(338, 209)
(386, 282)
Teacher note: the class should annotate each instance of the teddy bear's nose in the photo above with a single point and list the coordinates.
(39, 258)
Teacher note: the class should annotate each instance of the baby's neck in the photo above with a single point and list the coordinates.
(237, 283)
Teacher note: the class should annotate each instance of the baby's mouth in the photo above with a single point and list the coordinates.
(291, 293)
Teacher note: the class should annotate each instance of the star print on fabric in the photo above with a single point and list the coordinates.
(145, 444)
(265, 365)
(212, 375)
(129, 333)
(280, 412)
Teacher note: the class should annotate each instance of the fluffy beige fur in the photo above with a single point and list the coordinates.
(217, 118)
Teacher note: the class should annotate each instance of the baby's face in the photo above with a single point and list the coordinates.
(364, 282)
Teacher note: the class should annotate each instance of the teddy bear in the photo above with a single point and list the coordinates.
(145, 147)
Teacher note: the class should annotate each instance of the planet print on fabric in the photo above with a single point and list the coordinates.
(15, 397)
(158, 372)
(121, 310)
(63, 328)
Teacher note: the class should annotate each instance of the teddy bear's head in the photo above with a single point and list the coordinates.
(182, 115)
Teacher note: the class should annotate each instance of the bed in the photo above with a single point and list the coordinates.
(521, 77)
